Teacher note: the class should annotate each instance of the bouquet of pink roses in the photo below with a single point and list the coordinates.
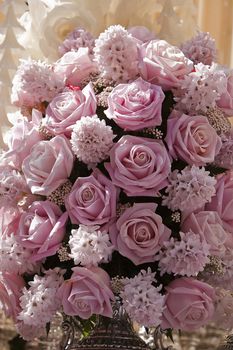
(117, 180)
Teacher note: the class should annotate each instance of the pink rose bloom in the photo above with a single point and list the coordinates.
(163, 64)
(189, 304)
(136, 105)
(222, 202)
(22, 137)
(192, 139)
(9, 220)
(42, 229)
(208, 225)
(48, 165)
(141, 33)
(92, 200)
(11, 286)
(87, 292)
(67, 108)
(75, 66)
(139, 233)
(226, 100)
(139, 165)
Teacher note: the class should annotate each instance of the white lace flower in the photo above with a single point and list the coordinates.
(116, 54)
(186, 257)
(91, 140)
(142, 301)
(39, 303)
(90, 246)
(191, 188)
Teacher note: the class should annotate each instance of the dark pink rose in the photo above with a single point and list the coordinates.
(209, 226)
(139, 233)
(42, 229)
(139, 165)
(141, 33)
(67, 108)
(11, 286)
(222, 202)
(189, 304)
(48, 165)
(226, 100)
(92, 200)
(192, 139)
(87, 292)
(136, 105)
(75, 66)
(163, 64)
(22, 137)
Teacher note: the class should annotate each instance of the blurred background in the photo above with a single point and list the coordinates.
(177, 20)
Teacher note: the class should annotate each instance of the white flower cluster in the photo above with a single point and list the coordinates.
(91, 140)
(201, 89)
(13, 257)
(186, 257)
(116, 54)
(39, 303)
(142, 301)
(37, 82)
(191, 188)
(90, 246)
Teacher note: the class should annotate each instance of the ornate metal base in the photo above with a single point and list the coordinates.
(228, 345)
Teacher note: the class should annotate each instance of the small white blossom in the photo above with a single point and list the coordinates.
(89, 246)
(142, 301)
(91, 140)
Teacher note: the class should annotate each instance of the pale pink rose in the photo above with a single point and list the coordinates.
(192, 139)
(141, 33)
(136, 105)
(226, 100)
(189, 304)
(75, 66)
(139, 165)
(139, 233)
(163, 64)
(67, 108)
(42, 229)
(22, 137)
(87, 292)
(208, 225)
(11, 286)
(92, 200)
(222, 202)
(48, 165)
(9, 220)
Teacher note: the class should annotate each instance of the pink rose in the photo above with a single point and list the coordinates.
(75, 66)
(139, 233)
(192, 139)
(163, 64)
(22, 137)
(222, 202)
(141, 33)
(139, 165)
(136, 105)
(67, 108)
(48, 165)
(11, 286)
(87, 292)
(189, 304)
(42, 229)
(92, 200)
(9, 220)
(226, 100)
(208, 225)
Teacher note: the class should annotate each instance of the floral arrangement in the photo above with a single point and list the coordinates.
(117, 182)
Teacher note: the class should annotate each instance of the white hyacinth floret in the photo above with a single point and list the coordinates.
(91, 140)
(90, 246)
